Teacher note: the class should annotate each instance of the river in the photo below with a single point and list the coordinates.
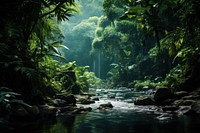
(124, 117)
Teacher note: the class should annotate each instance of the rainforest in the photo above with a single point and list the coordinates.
(99, 66)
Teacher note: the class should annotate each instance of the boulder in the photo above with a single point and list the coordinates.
(144, 101)
(162, 94)
(59, 102)
(95, 98)
(69, 98)
(105, 106)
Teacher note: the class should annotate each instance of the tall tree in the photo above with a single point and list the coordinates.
(24, 41)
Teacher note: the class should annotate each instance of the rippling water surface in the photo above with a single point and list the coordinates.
(125, 117)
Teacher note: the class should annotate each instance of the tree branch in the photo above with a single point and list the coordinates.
(47, 13)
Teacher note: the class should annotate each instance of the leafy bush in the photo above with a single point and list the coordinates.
(151, 84)
(86, 79)
(176, 76)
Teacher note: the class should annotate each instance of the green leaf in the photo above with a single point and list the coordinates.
(57, 55)
(56, 50)
(127, 52)
(63, 46)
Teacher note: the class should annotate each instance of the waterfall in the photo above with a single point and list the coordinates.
(99, 63)
(94, 65)
(100, 66)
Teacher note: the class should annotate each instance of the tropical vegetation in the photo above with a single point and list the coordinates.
(131, 43)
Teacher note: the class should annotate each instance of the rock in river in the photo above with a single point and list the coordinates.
(162, 94)
(69, 98)
(144, 101)
(105, 106)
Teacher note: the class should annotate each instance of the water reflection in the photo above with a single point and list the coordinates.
(113, 121)
(63, 125)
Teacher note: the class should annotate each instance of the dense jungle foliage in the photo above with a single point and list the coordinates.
(151, 42)
(132, 43)
(32, 66)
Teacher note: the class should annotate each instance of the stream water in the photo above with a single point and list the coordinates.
(124, 117)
